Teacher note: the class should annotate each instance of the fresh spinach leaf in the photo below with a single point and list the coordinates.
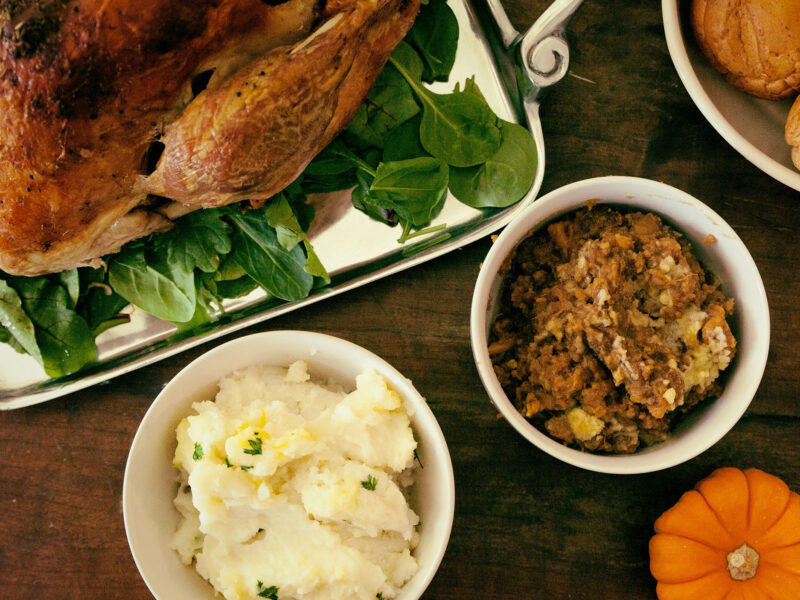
(327, 163)
(365, 205)
(459, 127)
(324, 184)
(17, 322)
(504, 178)
(406, 60)
(403, 142)
(314, 265)
(257, 249)
(162, 289)
(98, 304)
(71, 282)
(280, 214)
(236, 288)
(388, 104)
(281, 217)
(435, 36)
(228, 270)
(65, 341)
(196, 240)
(7, 338)
(413, 188)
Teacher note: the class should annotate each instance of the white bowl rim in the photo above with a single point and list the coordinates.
(400, 383)
(540, 212)
(680, 58)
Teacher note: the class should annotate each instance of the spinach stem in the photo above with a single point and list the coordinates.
(422, 246)
(421, 92)
(364, 166)
(405, 237)
(406, 230)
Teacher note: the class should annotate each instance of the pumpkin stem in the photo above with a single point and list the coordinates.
(743, 563)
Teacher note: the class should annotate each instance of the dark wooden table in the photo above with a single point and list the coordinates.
(526, 525)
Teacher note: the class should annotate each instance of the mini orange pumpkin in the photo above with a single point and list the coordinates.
(736, 536)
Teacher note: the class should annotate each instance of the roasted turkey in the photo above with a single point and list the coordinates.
(117, 116)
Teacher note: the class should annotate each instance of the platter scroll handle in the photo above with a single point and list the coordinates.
(540, 56)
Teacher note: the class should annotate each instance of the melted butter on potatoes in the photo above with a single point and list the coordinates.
(289, 484)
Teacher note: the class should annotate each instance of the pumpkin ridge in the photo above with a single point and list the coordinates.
(774, 564)
(780, 516)
(691, 539)
(780, 547)
(717, 517)
(782, 512)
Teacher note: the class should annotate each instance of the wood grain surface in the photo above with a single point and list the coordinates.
(526, 525)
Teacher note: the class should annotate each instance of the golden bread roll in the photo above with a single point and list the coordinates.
(793, 132)
(755, 44)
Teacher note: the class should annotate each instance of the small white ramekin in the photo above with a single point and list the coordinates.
(150, 478)
(727, 258)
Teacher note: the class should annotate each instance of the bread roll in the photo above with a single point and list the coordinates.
(755, 44)
(793, 132)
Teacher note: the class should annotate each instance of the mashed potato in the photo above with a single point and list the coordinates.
(291, 489)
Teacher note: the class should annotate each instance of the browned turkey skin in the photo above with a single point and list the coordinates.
(117, 116)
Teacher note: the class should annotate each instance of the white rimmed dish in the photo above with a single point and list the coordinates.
(728, 258)
(754, 127)
(150, 478)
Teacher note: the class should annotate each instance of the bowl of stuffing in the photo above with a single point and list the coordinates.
(620, 325)
(288, 465)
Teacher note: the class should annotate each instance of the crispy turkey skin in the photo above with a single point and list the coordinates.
(118, 116)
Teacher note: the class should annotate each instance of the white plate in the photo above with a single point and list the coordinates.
(754, 127)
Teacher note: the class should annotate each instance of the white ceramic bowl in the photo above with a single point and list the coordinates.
(149, 486)
(727, 258)
(754, 127)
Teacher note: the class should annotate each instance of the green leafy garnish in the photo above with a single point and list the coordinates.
(370, 483)
(197, 241)
(163, 289)
(65, 341)
(279, 271)
(281, 215)
(17, 322)
(228, 463)
(71, 282)
(270, 592)
(413, 188)
(245, 468)
(255, 446)
(389, 104)
(504, 178)
(198, 451)
(459, 127)
(435, 36)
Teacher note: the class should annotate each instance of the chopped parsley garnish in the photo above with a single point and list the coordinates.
(228, 463)
(416, 458)
(245, 468)
(198, 451)
(255, 446)
(379, 596)
(370, 483)
(270, 592)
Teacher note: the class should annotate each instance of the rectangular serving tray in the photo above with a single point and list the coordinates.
(355, 249)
